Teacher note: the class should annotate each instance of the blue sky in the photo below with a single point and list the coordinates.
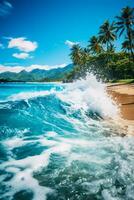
(35, 31)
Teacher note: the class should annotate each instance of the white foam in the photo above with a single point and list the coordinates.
(14, 142)
(23, 169)
(107, 196)
(85, 94)
(89, 94)
(30, 95)
(17, 142)
(51, 134)
(23, 180)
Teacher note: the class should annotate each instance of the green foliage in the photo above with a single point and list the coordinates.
(125, 22)
(94, 45)
(119, 67)
(37, 75)
(107, 34)
(123, 81)
(100, 56)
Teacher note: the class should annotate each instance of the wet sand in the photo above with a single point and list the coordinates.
(123, 95)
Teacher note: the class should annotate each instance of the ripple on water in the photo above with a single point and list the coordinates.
(55, 146)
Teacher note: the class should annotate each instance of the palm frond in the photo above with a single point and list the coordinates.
(121, 32)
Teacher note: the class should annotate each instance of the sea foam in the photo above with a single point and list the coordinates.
(86, 94)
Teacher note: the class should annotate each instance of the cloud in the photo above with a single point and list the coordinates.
(5, 8)
(21, 55)
(70, 43)
(18, 68)
(22, 44)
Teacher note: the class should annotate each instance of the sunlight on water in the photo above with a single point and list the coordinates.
(56, 145)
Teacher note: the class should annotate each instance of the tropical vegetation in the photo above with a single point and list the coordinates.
(101, 56)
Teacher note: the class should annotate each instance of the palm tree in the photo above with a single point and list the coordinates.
(76, 54)
(111, 48)
(94, 45)
(84, 56)
(126, 46)
(126, 23)
(79, 57)
(107, 34)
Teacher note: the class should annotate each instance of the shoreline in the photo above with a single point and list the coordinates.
(123, 95)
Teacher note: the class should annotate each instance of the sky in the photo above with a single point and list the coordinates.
(40, 32)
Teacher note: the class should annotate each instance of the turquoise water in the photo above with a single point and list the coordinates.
(56, 145)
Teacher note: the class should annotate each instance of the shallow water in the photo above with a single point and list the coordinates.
(56, 146)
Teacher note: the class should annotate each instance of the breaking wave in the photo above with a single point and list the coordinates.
(55, 144)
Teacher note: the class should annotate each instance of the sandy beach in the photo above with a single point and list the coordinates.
(123, 94)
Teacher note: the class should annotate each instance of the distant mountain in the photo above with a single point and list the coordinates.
(37, 75)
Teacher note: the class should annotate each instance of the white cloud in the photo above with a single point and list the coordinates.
(5, 8)
(18, 68)
(21, 55)
(70, 43)
(22, 44)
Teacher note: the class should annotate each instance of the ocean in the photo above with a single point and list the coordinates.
(56, 143)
